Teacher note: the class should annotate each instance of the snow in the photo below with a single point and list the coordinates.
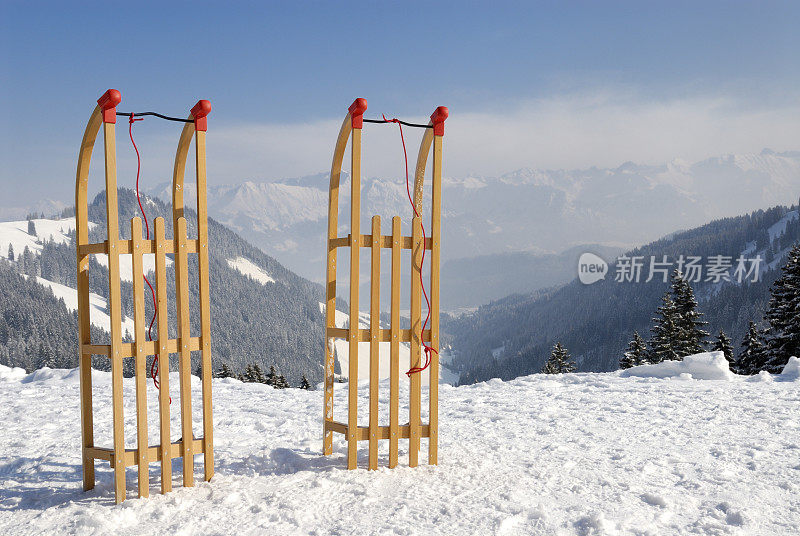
(563, 454)
(97, 314)
(792, 369)
(8, 374)
(705, 366)
(777, 229)
(248, 268)
(15, 233)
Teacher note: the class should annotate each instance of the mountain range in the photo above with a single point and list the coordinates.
(538, 212)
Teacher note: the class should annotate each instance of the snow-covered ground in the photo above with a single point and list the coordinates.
(567, 454)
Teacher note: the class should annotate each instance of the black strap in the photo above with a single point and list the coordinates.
(417, 125)
(154, 114)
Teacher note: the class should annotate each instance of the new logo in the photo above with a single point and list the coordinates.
(591, 268)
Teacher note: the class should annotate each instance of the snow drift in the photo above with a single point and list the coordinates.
(705, 366)
(709, 366)
(792, 370)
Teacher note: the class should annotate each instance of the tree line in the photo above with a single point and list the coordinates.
(678, 328)
(514, 336)
(253, 374)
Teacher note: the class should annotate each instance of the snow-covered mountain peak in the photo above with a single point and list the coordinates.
(525, 209)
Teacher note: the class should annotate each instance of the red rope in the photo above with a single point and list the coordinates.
(154, 365)
(427, 348)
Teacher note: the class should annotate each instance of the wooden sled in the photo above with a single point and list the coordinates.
(179, 247)
(414, 430)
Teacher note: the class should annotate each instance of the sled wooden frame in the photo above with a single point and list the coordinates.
(414, 430)
(180, 246)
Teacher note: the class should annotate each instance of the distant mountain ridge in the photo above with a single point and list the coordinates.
(513, 336)
(527, 210)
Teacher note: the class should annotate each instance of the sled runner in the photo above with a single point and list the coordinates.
(179, 247)
(417, 336)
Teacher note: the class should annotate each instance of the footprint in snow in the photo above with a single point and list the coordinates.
(654, 500)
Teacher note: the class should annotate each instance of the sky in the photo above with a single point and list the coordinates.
(529, 84)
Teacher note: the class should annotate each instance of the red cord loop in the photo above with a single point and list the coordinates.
(428, 349)
(154, 365)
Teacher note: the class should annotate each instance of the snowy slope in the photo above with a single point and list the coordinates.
(777, 229)
(98, 314)
(248, 268)
(572, 454)
(15, 233)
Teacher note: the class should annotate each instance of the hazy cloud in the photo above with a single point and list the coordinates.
(601, 129)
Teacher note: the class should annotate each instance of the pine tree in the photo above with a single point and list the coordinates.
(783, 315)
(31, 228)
(751, 358)
(692, 335)
(304, 383)
(27, 266)
(722, 343)
(10, 252)
(258, 375)
(664, 344)
(559, 362)
(281, 382)
(272, 376)
(249, 375)
(635, 354)
(225, 371)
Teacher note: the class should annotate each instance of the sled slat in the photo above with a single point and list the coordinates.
(364, 335)
(150, 347)
(374, 344)
(355, 226)
(141, 357)
(185, 355)
(131, 456)
(394, 346)
(126, 246)
(383, 432)
(205, 303)
(416, 327)
(385, 241)
(115, 310)
(162, 354)
(436, 225)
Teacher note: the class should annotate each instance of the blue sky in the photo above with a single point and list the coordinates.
(538, 84)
